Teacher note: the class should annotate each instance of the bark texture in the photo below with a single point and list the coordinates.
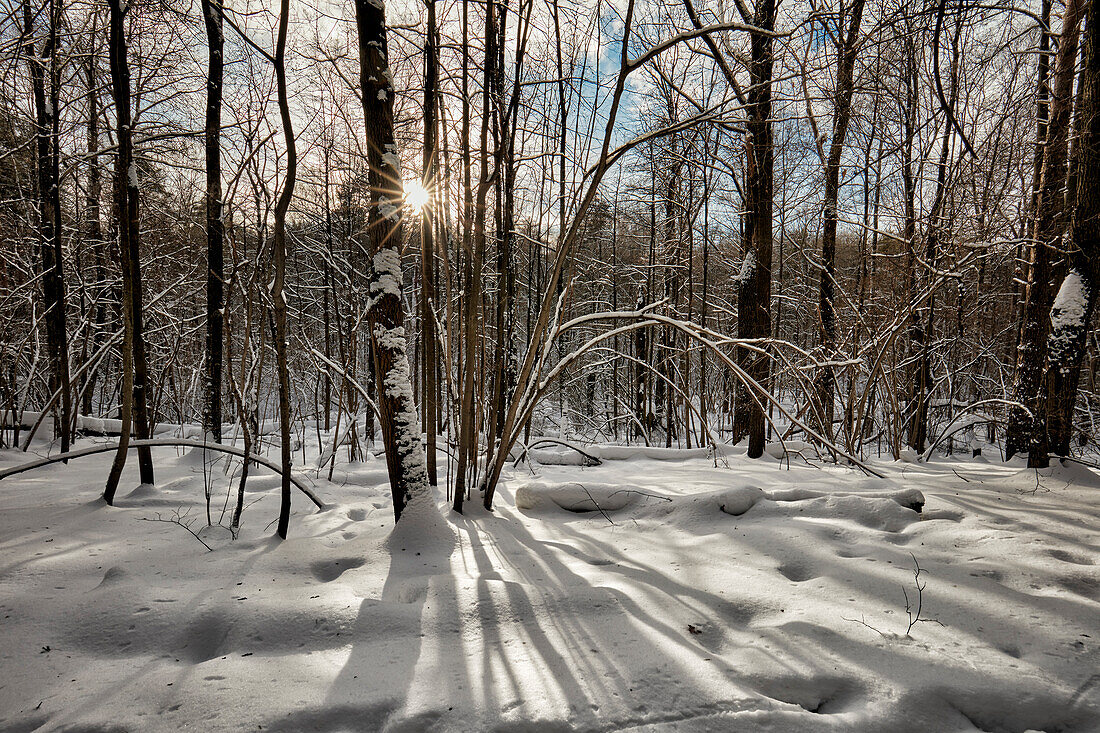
(400, 427)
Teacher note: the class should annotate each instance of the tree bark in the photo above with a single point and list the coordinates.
(1076, 301)
(842, 115)
(279, 252)
(1028, 432)
(215, 228)
(45, 83)
(754, 283)
(400, 428)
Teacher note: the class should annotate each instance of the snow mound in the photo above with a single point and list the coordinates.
(738, 501)
(422, 527)
(577, 497)
(789, 448)
(889, 511)
(909, 498)
(143, 491)
(874, 512)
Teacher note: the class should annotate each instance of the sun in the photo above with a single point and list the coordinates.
(416, 195)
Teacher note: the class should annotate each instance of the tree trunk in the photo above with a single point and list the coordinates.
(45, 70)
(215, 228)
(1028, 432)
(400, 428)
(842, 114)
(754, 284)
(909, 187)
(924, 318)
(1076, 301)
(278, 296)
(126, 201)
(93, 233)
(429, 387)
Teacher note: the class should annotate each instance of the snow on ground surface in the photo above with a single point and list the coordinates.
(644, 594)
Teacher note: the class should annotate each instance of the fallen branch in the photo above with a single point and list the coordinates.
(593, 500)
(590, 459)
(157, 442)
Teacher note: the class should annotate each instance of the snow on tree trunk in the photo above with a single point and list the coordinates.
(400, 425)
(1076, 300)
(754, 285)
(1026, 431)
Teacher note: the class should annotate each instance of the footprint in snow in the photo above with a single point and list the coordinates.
(1070, 557)
(329, 570)
(797, 572)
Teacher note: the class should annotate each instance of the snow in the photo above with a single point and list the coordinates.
(748, 267)
(1069, 304)
(388, 210)
(387, 268)
(755, 595)
(392, 160)
(1068, 317)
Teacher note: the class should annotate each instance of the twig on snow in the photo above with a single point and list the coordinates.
(181, 520)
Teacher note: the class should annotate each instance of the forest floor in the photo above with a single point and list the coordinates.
(765, 595)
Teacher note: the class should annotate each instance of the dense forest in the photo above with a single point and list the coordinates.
(549, 366)
(452, 230)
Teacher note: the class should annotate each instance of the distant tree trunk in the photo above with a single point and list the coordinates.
(215, 228)
(429, 388)
(279, 251)
(45, 70)
(909, 189)
(1029, 432)
(1042, 117)
(466, 325)
(126, 202)
(848, 48)
(93, 233)
(754, 284)
(400, 428)
(921, 374)
(1076, 301)
(673, 256)
(506, 357)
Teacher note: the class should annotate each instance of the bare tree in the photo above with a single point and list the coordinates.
(400, 428)
(1075, 303)
(215, 227)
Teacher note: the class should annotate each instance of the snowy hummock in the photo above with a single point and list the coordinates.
(760, 595)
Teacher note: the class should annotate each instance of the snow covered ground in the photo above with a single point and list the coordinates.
(649, 593)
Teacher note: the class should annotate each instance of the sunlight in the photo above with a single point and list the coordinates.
(416, 195)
